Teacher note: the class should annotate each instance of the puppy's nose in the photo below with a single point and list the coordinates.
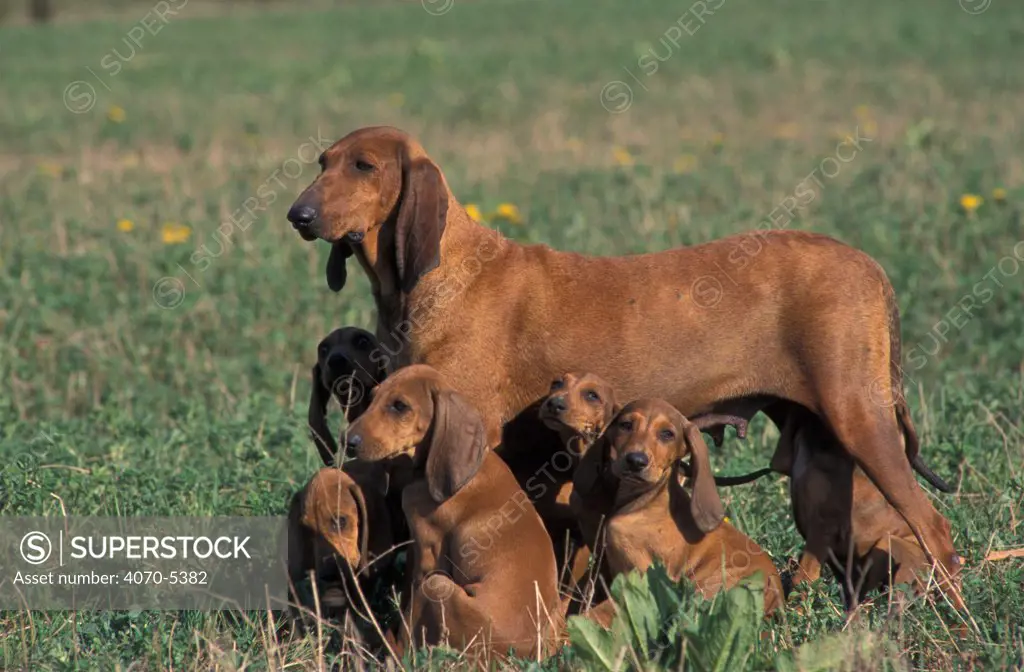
(557, 405)
(353, 442)
(637, 461)
(301, 215)
(338, 362)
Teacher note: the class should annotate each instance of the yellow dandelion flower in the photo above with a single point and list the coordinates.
(125, 225)
(685, 163)
(727, 519)
(116, 114)
(396, 99)
(508, 212)
(999, 194)
(50, 168)
(970, 202)
(474, 212)
(172, 233)
(622, 156)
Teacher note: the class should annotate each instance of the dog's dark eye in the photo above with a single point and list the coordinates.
(339, 523)
(399, 406)
(592, 396)
(557, 384)
(364, 166)
(626, 426)
(666, 435)
(361, 342)
(322, 160)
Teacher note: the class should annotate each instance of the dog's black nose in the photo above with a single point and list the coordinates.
(557, 405)
(353, 442)
(338, 362)
(301, 216)
(637, 461)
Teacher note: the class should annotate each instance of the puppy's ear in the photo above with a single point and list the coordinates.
(336, 273)
(705, 504)
(300, 541)
(317, 419)
(421, 221)
(457, 447)
(364, 525)
(590, 470)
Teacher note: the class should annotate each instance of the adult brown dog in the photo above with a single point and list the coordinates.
(345, 370)
(483, 572)
(793, 319)
(630, 483)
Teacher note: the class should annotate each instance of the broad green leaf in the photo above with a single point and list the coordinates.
(596, 647)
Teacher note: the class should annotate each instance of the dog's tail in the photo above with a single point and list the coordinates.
(911, 444)
(745, 478)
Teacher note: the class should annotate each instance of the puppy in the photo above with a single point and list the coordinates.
(338, 527)
(844, 519)
(632, 479)
(483, 572)
(345, 369)
(578, 409)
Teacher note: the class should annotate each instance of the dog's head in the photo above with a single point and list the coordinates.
(328, 527)
(643, 447)
(345, 368)
(415, 414)
(371, 179)
(579, 406)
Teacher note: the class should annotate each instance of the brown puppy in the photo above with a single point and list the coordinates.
(483, 573)
(795, 319)
(845, 520)
(631, 479)
(344, 369)
(337, 527)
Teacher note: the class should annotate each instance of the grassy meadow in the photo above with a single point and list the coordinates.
(158, 315)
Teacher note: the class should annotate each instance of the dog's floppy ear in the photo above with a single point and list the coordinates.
(317, 419)
(364, 525)
(336, 273)
(705, 504)
(421, 220)
(458, 445)
(590, 470)
(300, 541)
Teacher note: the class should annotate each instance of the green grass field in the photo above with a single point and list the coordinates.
(149, 367)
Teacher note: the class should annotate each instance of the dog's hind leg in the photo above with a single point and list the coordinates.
(871, 435)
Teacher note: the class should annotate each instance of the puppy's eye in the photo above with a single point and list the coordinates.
(339, 523)
(592, 397)
(666, 435)
(399, 406)
(364, 166)
(557, 384)
(322, 160)
(626, 425)
(361, 342)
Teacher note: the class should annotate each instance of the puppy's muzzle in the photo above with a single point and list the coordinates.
(354, 443)
(554, 407)
(339, 365)
(636, 462)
